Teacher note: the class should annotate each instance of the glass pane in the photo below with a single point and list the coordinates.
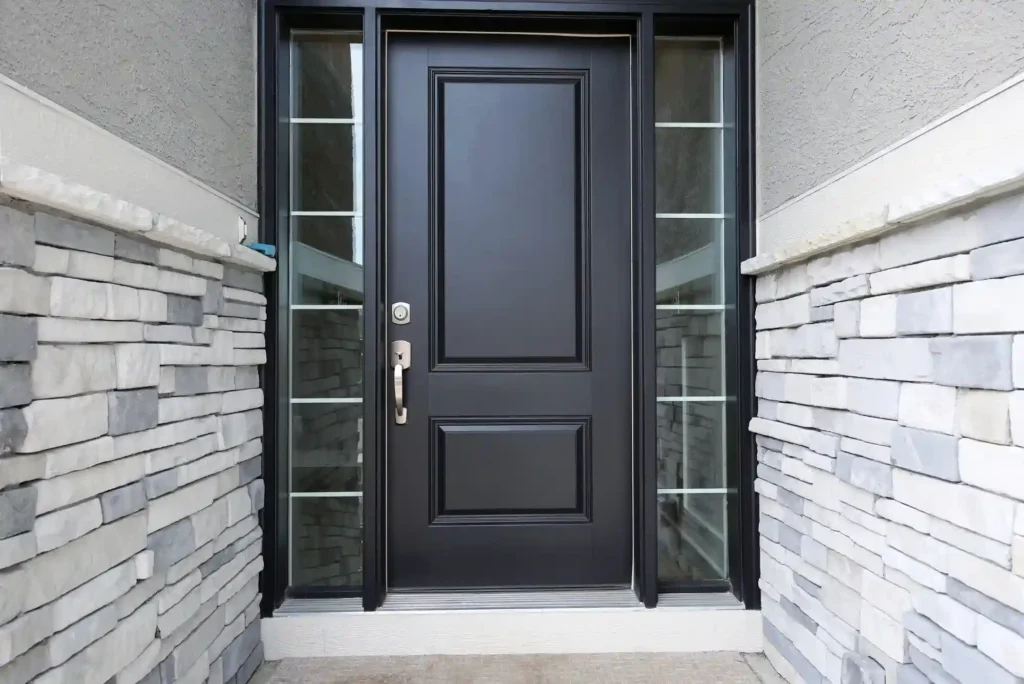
(689, 170)
(689, 257)
(327, 447)
(687, 81)
(327, 542)
(327, 75)
(327, 354)
(692, 542)
(689, 345)
(327, 260)
(324, 177)
(691, 445)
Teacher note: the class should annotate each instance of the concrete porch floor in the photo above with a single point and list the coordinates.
(613, 668)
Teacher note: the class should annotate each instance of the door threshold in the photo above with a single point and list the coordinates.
(510, 600)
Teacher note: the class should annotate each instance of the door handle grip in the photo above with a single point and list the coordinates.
(400, 410)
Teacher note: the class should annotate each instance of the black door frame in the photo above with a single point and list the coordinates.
(731, 19)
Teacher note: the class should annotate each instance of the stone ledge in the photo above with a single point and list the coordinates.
(963, 191)
(41, 187)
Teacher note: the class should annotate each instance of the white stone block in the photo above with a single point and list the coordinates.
(77, 298)
(764, 288)
(851, 288)
(144, 565)
(181, 503)
(844, 264)
(907, 359)
(19, 636)
(904, 515)
(63, 645)
(890, 598)
(174, 409)
(928, 407)
(24, 293)
(83, 484)
(993, 467)
(138, 365)
(65, 370)
(90, 266)
(1016, 408)
(246, 296)
(878, 398)
(142, 276)
(62, 526)
(982, 306)
(1018, 522)
(51, 260)
(929, 240)
(242, 400)
(816, 340)
(56, 422)
(170, 596)
(982, 512)
(866, 428)
(1001, 645)
(122, 303)
(965, 540)
(208, 269)
(72, 331)
(875, 452)
(884, 632)
(846, 317)
(152, 306)
(921, 574)
(984, 415)
(169, 258)
(878, 316)
(94, 594)
(249, 357)
(953, 269)
(918, 546)
(929, 312)
(991, 580)
(954, 617)
(180, 283)
(1018, 361)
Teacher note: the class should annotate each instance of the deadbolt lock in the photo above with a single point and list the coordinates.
(400, 313)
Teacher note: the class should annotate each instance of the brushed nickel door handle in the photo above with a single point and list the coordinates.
(401, 357)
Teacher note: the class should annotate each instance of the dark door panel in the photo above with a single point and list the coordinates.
(508, 233)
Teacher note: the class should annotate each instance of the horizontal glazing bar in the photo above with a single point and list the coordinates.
(327, 307)
(718, 490)
(313, 120)
(692, 307)
(349, 214)
(690, 39)
(690, 216)
(325, 495)
(328, 400)
(682, 124)
(690, 400)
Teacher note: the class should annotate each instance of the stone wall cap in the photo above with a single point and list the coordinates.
(35, 185)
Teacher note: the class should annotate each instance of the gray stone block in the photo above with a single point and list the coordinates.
(122, 502)
(17, 511)
(171, 544)
(213, 300)
(968, 664)
(13, 429)
(930, 453)
(925, 313)
(217, 561)
(256, 493)
(161, 483)
(822, 313)
(18, 245)
(249, 470)
(15, 384)
(799, 615)
(196, 643)
(989, 607)
(924, 628)
(61, 232)
(184, 310)
(791, 500)
(789, 538)
(908, 674)
(785, 647)
(134, 250)
(239, 310)
(18, 337)
(132, 410)
(978, 361)
(869, 475)
(931, 669)
(243, 280)
(809, 587)
(27, 666)
(998, 261)
(859, 669)
(236, 654)
(247, 378)
(248, 669)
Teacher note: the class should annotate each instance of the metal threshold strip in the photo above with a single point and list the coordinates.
(509, 600)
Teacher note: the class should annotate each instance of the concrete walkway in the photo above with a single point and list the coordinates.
(632, 668)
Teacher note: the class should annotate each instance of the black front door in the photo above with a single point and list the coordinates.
(509, 237)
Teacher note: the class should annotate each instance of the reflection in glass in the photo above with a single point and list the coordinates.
(692, 540)
(327, 75)
(327, 447)
(687, 76)
(688, 173)
(327, 354)
(690, 444)
(327, 542)
(689, 353)
(689, 261)
(324, 177)
(327, 255)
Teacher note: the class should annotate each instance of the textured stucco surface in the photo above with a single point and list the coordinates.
(176, 78)
(841, 79)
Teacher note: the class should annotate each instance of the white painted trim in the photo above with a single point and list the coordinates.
(972, 153)
(39, 133)
(580, 630)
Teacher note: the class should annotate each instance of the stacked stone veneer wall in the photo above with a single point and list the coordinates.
(130, 458)
(890, 429)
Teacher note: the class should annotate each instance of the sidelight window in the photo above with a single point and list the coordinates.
(695, 301)
(325, 374)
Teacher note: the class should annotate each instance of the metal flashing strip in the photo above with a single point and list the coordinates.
(309, 606)
(502, 600)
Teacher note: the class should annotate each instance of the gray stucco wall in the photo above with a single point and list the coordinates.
(176, 78)
(839, 79)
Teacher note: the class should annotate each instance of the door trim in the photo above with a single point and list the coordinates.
(733, 19)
